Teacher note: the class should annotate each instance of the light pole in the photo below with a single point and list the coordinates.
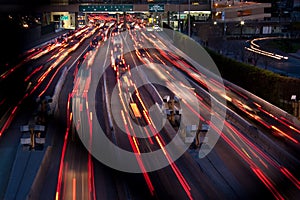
(179, 25)
(189, 23)
(224, 20)
(242, 23)
(295, 106)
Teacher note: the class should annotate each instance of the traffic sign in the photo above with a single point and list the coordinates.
(64, 17)
(106, 8)
(156, 8)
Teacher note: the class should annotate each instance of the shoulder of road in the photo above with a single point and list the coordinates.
(45, 38)
(27, 166)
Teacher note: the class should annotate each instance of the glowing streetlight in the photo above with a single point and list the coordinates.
(242, 24)
(189, 18)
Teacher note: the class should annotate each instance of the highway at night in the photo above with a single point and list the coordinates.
(135, 114)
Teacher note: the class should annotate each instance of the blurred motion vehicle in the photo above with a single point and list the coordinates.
(157, 28)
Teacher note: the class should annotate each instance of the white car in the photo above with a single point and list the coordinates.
(157, 28)
(149, 28)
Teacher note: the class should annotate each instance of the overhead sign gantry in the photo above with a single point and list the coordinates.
(106, 8)
(156, 7)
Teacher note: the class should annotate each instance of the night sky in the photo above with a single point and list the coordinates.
(11, 37)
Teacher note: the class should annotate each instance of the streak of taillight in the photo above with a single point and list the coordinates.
(160, 144)
(149, 137)
(263, 123)
(291, 177)
(285, 171)
(76, 85)
(32, 73)
(87, 82)
(32, 51)
(218, 84)
(8, 72)
(267, 183)
(2, 101)
(185, 70)
(198, 97)
(267, 113)
(14, 110)
(140, 99)
(90, 183)
(160, 60)
(74, 188)
(202, 104)
(55, 55)
(195, 112)
(68, 109)
(237, 92)
(259, 106)
(253, 166)
(138, 158)
(146, 117)
(61, 166)
(51, 80)
(175, 169)
(8, 121)
(278, 119)
(284, 134)
(293, 128)
(64, 180)
(90, 178)
(251, 144)
(47, 50)
(136, 145)
(240, 152)
(89, 116)
(193, 69)
(59, 182)
(93, 181)
(10, 118)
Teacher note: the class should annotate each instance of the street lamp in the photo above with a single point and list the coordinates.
(242, 24)
(179, 25)
(295, 106)
(189, 24)
(224, 20)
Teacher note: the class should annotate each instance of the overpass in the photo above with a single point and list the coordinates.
(73, 15)
(136, 7)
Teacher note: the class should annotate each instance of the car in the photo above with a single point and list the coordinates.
(94, 43)
(149, 28)
(117, 41)
(157, 28)
(142, 52)
(121, 66)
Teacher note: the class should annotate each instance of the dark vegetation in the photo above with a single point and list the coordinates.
(285, 45)
(268, 85)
